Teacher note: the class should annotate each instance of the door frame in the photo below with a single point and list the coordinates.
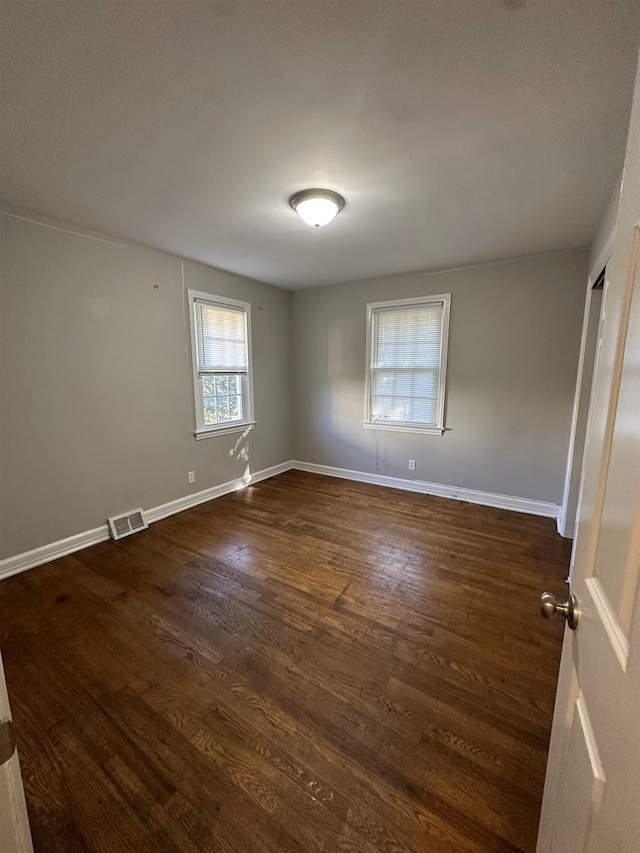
(606, 238)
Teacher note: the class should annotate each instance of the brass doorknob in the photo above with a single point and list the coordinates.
(549, 606)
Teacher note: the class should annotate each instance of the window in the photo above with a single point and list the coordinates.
(407, 363)
(221, 344)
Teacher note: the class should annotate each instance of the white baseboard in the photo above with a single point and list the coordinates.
(188, 501)
(526, 505)
(47, 553)
(561, 522)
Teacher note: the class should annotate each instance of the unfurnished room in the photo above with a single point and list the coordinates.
(319, 426)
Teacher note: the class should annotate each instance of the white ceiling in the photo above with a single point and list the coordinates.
(458, 131)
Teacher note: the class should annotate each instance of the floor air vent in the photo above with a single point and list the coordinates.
(125, 525)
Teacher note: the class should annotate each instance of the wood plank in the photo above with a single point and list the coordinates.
(308, 664)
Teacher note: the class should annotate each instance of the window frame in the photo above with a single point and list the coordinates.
(203, 430)
(443, 299)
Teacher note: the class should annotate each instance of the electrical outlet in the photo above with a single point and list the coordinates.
(192, 476)
(412, 464)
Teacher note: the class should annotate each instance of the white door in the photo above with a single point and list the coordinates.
(14, 825)
(592, 789)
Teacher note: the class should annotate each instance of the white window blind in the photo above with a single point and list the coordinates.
(221, 331)
(221, 334)
(406, 371)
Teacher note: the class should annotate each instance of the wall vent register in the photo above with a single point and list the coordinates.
(126, 524)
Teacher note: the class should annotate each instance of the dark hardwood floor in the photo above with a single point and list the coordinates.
(309, 664)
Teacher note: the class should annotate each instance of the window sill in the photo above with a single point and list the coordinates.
(224, 430)
(422, 430)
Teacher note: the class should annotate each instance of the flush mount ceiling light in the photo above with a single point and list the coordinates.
(317, 207)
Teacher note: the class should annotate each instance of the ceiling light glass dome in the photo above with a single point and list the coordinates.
(317, 207)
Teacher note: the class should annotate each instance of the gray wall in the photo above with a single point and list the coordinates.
(97, 412)
(513, 354)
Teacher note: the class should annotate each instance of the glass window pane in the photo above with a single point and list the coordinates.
(210, 410)
(223, 409)
(221, 403)
(208, 385)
